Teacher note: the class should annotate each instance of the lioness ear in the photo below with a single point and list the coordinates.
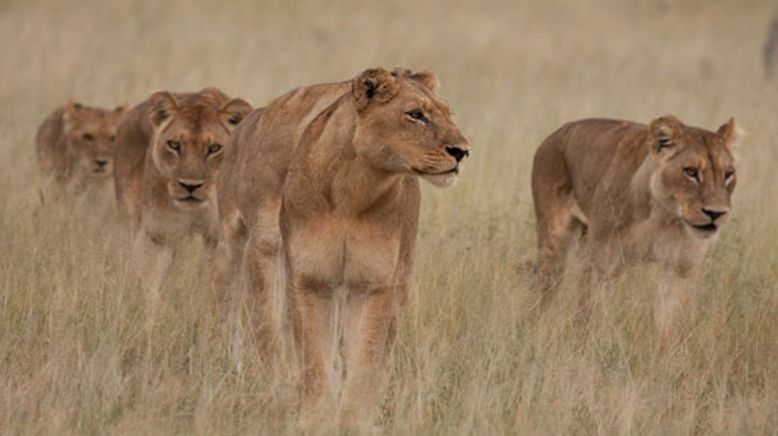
(428, 79)
(664, 132)
(234, 111)
(162, 106)
(373, 86)
(71, 113)
(733, 135)
(215, 94)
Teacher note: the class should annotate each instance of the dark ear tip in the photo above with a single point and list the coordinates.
(370, 87)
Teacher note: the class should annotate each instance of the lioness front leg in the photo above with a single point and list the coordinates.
(262, 258)
(371, 323)
(314, 334)
(676, 294)
(599, 269)
(151, 259)
(227, 257)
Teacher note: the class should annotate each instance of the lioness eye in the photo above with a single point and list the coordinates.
(174, 145)
(214, 148)
(417, 115)
(88, 137)
(691, 172)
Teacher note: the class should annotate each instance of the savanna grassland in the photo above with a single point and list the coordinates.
(472, 357)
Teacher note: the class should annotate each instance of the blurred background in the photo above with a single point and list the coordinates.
(471, 358)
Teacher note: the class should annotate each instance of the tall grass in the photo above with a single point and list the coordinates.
(472, 357)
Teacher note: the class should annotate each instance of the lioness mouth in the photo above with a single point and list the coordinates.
(442, 173)
(189, 199)
(710, 227)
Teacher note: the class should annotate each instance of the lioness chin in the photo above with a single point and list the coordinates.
(326, 182)
(659, 193)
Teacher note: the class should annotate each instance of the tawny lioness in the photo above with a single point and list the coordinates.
(75, 147)
(657, 192)
(168, 154)
(325, 181)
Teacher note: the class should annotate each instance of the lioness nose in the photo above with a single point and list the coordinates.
(713, 214)
(189, 185)
(101, 162)
(457, 153)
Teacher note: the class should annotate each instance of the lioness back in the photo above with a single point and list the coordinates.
(579, 154)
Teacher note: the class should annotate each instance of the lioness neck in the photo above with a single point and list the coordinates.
(348, 182)
(650, 214)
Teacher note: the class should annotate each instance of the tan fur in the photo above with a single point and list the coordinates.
(332, 171)
(151, 176)
(632, 189)
(75, 146)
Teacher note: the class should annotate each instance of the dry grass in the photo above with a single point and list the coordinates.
(471, 357)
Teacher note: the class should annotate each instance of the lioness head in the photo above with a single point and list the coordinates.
(189, 139)
(695, 172)
(91, 133)
(405, 127)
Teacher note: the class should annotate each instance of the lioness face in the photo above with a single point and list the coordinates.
(91, 133)
(406, 128)
(695, 175)
(188, 143)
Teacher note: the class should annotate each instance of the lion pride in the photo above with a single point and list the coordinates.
(75, 145)
(168, 153)
(325, 182)
(659, 192)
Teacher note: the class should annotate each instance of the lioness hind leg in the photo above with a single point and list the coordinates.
(557, 229)
(557, 215)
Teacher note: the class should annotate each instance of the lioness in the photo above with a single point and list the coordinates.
(332, 171)
(75, 145)
(169, 149)
(640, 193)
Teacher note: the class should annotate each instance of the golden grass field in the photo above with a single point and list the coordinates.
(472, 356)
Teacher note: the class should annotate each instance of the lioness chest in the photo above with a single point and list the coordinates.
(167, 221)
(348, 251)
